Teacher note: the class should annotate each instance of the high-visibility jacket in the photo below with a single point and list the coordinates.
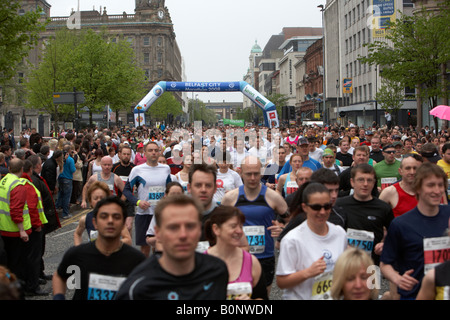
(7, 184)
(40, 206)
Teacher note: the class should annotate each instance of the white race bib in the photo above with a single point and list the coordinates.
(256, 237)
(155, 194)
(103, 287)
(361, 239)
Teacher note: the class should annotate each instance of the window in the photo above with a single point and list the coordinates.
(346, 22)
(146, 41)
(160, 41)
(351, 69)
(147, 73)
(365, 92)
(346, 46)
(363, 35)
(146, 57)
(359, 39)
(370, 91)
(160, 57)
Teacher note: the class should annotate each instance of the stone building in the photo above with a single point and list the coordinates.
(149, 30)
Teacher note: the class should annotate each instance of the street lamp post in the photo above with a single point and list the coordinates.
(325, 117)
(376, 91)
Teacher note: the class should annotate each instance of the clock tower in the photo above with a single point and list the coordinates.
(152, 8)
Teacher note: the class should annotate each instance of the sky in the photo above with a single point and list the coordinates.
(215, 37)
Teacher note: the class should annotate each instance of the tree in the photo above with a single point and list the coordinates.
(201, 113)
(126, 81)
(107, 73)
(413, 52)
(18, 35)
(53, 74)
(390, 96)
(279, 100)
(165, 104)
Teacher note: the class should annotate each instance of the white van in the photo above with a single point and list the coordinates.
(312, 123)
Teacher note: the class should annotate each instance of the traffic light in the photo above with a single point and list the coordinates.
(292, 115)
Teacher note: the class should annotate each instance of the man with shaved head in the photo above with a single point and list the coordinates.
(261, 206)
(113, 181)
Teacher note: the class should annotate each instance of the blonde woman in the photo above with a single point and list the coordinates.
(353, 276)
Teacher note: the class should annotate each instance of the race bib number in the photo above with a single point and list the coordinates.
(256, 238)
(386, 182)
(237, 289)
(291, 187)
(436, 251)
(103, 287)
(155, 194)
(93, 235)
(202, 246)
(361, 239)
(321, 286)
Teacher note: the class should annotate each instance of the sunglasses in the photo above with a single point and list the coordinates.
(318, 207)
(389, 152)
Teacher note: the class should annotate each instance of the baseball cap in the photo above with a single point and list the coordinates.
(140, 145)
(302, 141)
(369, 133)
(388, 146)
(430, 151)
(177, 147)
(328, 152)
(397, 143)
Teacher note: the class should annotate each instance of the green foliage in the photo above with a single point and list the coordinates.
(279, 100)
(18, 35)
(413, 52)
(165, 104)
(106, 72)
(390, 96)
(201, 112)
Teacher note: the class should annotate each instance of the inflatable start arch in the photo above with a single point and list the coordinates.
(268, 108)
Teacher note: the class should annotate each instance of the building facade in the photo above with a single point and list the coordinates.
(345, 38)
(149, 30)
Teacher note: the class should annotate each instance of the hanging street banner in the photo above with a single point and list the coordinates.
(383, 13)
(347, 86)
(239, 123)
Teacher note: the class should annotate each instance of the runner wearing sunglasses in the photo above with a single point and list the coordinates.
(308, 252)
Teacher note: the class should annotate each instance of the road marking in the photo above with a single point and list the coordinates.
(66, 222)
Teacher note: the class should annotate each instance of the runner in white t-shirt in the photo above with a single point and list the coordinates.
(150, 179)
(227, 179)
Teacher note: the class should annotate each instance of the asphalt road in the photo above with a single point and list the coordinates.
(60, 240)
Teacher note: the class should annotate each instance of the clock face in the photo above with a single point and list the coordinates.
(161, 14)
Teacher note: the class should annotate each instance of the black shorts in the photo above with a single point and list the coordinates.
(131, 209)
(141, 223)
(268, 267)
